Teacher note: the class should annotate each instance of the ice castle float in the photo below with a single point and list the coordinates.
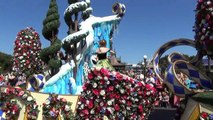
(91, 30)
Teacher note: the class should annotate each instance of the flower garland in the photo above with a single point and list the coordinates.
(30, 103)
(54, 105)
(12, 110)
(115, 96)
(206, 116)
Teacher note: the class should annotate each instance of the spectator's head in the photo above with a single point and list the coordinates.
(164, 93)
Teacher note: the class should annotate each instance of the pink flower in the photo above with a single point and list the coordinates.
(21, 93)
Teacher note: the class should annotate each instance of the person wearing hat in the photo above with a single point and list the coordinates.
(103, 60)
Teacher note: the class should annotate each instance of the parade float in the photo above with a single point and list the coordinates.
(198, 102)
(76, 89)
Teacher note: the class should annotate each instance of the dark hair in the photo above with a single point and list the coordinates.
(102, 43)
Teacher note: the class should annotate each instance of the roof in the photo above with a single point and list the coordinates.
(115, 62)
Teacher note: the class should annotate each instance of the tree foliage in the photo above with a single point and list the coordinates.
(5, 62)
(50, 31)
(51, 23)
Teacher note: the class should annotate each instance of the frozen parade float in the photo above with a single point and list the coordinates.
(197, 102)
(77, 89)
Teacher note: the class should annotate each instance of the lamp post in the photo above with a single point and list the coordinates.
(144, 61)
(143, 64)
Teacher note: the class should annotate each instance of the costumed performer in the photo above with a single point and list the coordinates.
(103, 59)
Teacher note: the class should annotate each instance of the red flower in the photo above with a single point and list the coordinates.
(105, 72)
(131, 80)
(129, 103)
(95, 72)
(116, 106)
(140, 93)
(84, 87)
(124, 97)
(148, 87)
(140, 84)
(15, 108)
(90, 105)
(140, 107)
(111, 88)
(102, 82)
(96, 92)
(119, 76)
(117, 96)
(85, 111)
(204, 115)
(90, 76)
(111, 95)
(97, 109)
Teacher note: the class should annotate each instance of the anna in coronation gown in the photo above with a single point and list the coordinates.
(103, 60)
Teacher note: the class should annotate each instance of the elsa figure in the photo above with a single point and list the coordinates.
(103, 60)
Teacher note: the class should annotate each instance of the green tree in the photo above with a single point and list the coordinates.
(5, 62)
(26, 52)
(50, 31)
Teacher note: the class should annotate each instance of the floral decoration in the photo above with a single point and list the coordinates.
(12, 110)
(114, 96)
(27, 48)
(204, 27)
(54, 105)
(206, 116)
(24, 97)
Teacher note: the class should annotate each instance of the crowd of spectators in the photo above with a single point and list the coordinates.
(9, 79)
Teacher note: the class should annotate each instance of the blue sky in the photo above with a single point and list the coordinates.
(146, 26)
